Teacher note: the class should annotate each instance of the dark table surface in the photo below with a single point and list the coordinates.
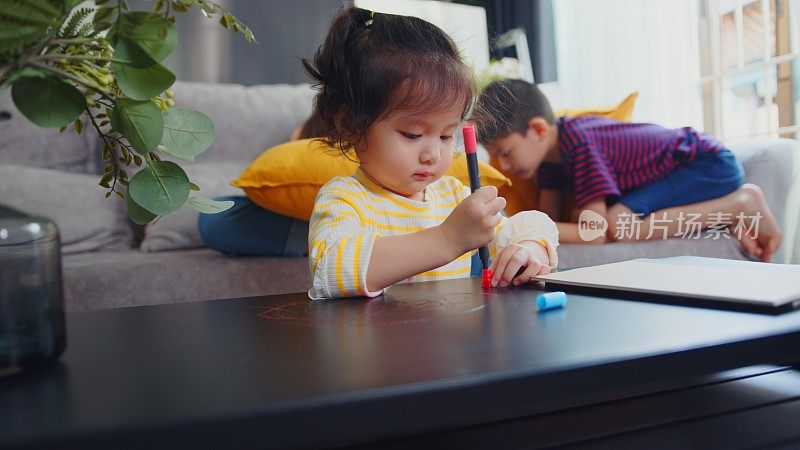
(283, 371)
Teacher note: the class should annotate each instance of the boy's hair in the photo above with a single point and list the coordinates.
(313, 127)
(506, 106)
(373, 64)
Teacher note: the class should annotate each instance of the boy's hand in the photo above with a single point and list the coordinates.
(472, 222)
(518, 263)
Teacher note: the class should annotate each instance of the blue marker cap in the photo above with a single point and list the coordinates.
(551, 300)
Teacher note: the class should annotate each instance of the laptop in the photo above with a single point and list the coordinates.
(692, 280)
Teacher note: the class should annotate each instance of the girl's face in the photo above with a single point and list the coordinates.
(404, 153)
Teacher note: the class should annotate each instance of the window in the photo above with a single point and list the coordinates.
(750, 67)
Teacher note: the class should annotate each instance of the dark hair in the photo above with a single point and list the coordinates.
(372, 64)
(506, 106)
(313, 127)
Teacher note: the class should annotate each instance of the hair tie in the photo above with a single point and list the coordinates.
(371, 19)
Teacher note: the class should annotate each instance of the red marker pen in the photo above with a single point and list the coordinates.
(470, 148)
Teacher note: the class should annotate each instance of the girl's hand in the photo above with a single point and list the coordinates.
(472, 223)
(519, 263)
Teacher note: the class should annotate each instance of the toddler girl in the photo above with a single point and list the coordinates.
(393, 91)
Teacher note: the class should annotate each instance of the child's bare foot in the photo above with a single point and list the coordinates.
(762, 238)
(750, 245)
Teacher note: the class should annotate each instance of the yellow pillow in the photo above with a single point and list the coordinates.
(286, 178)
(523, 195)
(622, 112)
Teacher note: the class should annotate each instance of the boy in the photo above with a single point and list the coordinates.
(621, 173)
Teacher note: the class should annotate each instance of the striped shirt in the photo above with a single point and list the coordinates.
(350, 212)
(603, 157)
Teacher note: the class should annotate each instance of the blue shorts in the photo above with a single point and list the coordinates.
(708, 176)
(248, 229)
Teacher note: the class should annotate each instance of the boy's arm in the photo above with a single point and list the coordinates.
(550, 202)
(569, 232)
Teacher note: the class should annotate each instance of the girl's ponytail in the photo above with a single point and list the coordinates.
(331, 70)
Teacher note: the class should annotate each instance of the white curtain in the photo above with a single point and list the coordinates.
(607, 49)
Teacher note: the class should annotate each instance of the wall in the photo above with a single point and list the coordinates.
(285, 31)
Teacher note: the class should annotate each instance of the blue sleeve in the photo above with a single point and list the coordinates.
(552, 176)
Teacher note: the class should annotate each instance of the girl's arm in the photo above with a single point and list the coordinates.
(471, 225)
(525, 247)
(339, 246)
(518, 263)
(346, 259)
(395, 258)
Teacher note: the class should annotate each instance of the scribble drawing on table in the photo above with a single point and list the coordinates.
(374, 311)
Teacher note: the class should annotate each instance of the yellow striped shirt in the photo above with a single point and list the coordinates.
(350, 212)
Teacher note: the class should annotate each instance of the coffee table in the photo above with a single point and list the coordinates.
(438, 357)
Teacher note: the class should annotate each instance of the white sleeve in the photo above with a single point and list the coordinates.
(529, 226)
(339, 246)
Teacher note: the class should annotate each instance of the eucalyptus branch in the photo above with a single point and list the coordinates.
(62, 41)
(61, 56)
(72, 77)
(69, 53)
(104, 136)
(122, 144)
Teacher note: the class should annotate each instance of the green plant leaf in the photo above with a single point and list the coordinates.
(76, 21)
(142, 84)
(161, 188)
(129, 52)
(138, 214)
(16, 37)
(187, 133)
(103, 18)
(48, 101)
(70, 4)
(27, 72)
(208, 206)
(143, 28)
(39, 12)
(140, 122)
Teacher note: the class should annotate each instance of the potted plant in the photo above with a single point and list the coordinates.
(73, 63)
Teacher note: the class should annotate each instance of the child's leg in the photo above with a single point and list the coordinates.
(248, 229)
(708, 193)
(743, 213)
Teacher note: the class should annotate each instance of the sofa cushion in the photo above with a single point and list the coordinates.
(708, 244)
(246, 119)
(286, 178)
(27, 144)
(86, 220)
(133, 278)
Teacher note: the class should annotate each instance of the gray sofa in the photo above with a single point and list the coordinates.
(109, 263)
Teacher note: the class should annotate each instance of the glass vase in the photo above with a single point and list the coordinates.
(32, 327)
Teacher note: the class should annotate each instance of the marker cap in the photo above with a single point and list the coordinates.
(551, 300)
(486, 279)
(470, 142)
